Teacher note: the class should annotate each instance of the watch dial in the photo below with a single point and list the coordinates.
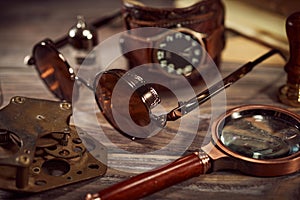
(179, 53)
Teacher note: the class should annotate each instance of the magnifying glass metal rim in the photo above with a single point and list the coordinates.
(212, 157)
(257, 167)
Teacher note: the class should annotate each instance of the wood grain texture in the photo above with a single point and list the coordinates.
(53, 18)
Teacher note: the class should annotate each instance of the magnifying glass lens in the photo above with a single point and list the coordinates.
(261, 134)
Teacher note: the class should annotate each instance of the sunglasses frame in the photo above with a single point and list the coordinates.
(64, 40)
(146, 94)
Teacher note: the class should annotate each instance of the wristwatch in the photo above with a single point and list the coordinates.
(186, 30)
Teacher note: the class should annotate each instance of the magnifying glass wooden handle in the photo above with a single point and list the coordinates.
(147, 183)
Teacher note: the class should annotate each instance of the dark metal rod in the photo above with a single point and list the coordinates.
(191, 104)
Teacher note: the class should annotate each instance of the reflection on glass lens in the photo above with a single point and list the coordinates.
(53, 70)
(104, 90)
(132, 117)
(261, 134)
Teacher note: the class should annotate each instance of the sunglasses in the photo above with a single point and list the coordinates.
(53, 68)
(60, 78)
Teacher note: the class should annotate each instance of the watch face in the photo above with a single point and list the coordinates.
(178, 53)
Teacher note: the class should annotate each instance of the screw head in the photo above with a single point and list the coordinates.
(18, 100)
(65, 106)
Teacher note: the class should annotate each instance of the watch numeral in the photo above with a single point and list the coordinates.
(188, 69)
(169, 38)
(163, 63)
(195, 61)
(171, 68)
(160, 55)
(194, 43)
(178, 35)
(197, 52)
(162, 45)
(188, 37)
(179, 71)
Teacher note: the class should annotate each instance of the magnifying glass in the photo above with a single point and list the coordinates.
(258, 140)
(137, 120)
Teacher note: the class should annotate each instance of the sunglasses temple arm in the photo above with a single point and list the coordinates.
(97, 24)
(193, 103)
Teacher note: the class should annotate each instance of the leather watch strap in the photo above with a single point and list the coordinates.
(195, 17)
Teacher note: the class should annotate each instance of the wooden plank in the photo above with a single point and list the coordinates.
(227, 185)
(260, 86)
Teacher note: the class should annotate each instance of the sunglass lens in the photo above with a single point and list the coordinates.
(129, 116)
(54, 70)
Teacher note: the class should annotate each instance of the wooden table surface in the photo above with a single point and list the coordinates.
(23, 23)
